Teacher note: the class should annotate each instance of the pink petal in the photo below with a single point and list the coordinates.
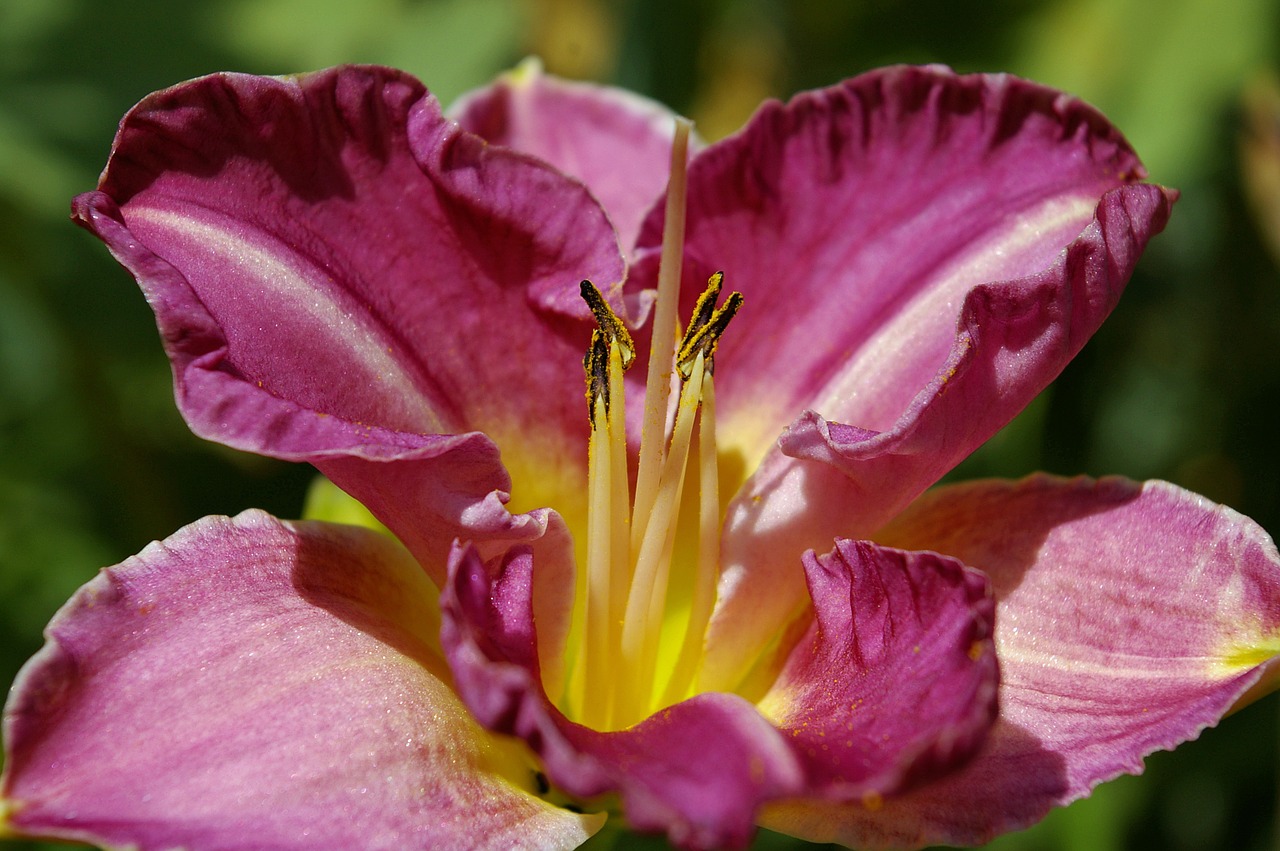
(254, 684)
(1011, 340)
(615, 141)
(895, 681)
(921, 253)
(857, 219)
(339, 274)
(705, 802)
(1130, 617)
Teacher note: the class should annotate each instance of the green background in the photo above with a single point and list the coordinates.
(1181, 384)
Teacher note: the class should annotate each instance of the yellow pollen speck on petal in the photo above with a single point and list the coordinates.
(872, 800)
(976, 650)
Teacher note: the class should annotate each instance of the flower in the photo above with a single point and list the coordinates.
(641, 599)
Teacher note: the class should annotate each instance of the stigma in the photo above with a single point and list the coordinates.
(639, 652)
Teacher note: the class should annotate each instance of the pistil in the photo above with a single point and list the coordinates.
(631, 547)
(663, 340)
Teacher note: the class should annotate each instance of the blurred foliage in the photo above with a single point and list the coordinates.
(1260, 154)
(1183, 383)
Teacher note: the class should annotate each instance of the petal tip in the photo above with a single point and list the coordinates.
(526, 72)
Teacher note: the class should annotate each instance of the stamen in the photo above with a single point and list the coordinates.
(708, 570)
(594, 654)
(642, 625)
(608, 541)
(646, 603)
(630, 546)
(620, 526)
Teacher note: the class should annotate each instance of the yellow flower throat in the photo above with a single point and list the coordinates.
(617, 679)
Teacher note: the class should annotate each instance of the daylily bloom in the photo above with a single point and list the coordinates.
(702, 598)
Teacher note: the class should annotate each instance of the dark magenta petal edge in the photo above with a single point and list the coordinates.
(895, 682)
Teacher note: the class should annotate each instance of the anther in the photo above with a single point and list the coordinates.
(706, 326)
(705, 307)
(596, 366)
(610, 325)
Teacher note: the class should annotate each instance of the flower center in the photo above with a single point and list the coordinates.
(618, 678)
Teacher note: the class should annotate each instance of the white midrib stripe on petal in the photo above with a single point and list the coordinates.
(869, 379)
(306, 303)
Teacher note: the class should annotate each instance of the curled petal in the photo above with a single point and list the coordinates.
(1012, 338)
(1129, 618)
(895, 682)
(708, 801)
(254, 684)
(614, 141)
(340, 273)
(947, 245)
